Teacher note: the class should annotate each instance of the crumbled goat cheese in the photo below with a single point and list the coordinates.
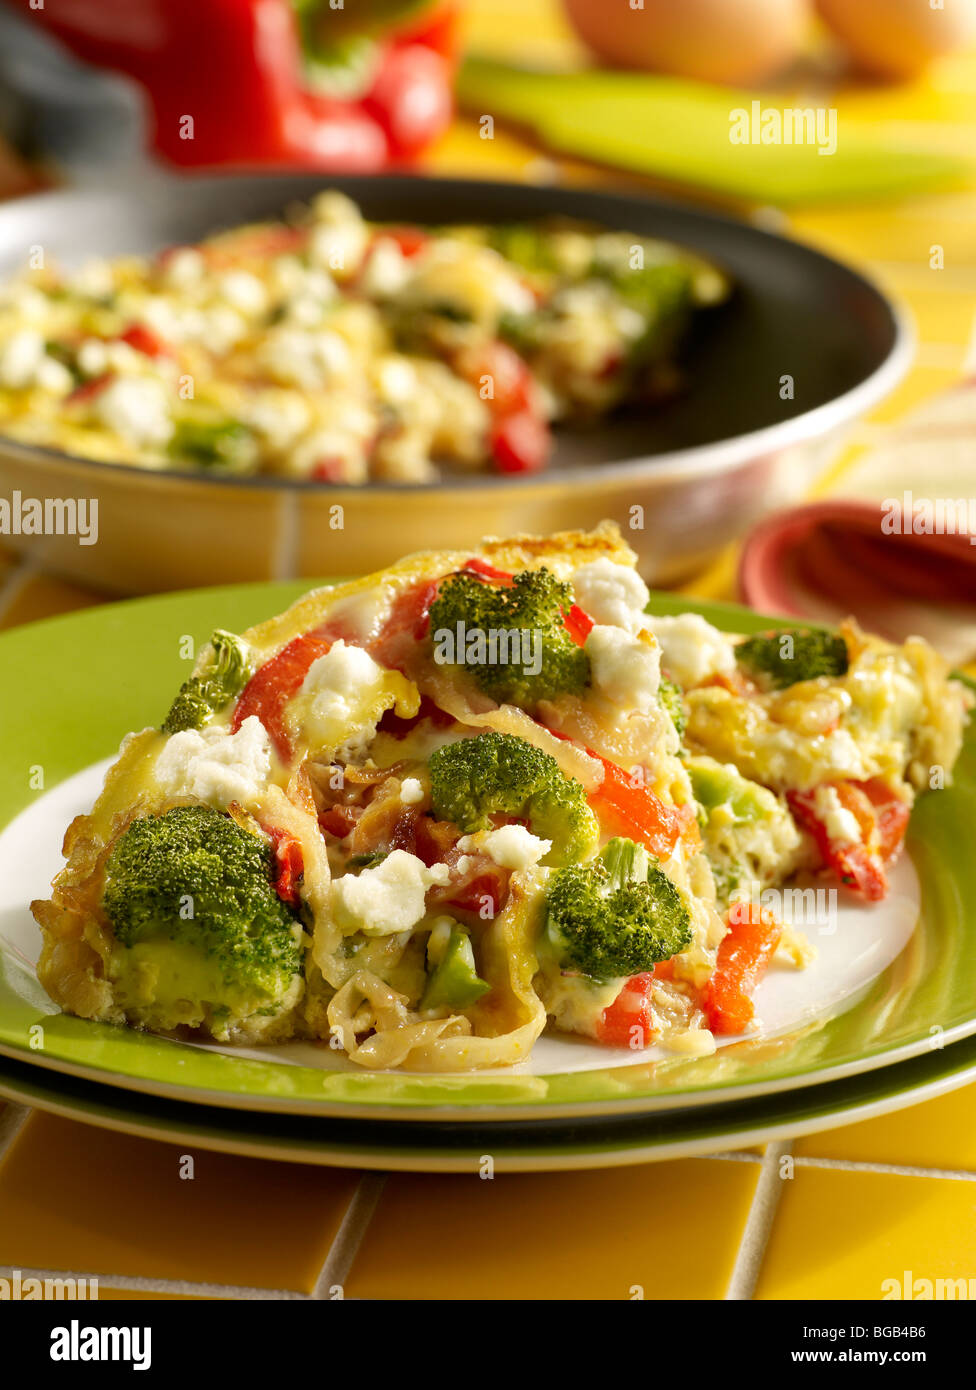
(137, 408)
(691, 649)
(184, 268)
(386, 271)
(96, 278)
(611, 593)
(217, 767)
(840, 824)
(20, 357)
(279, 416)
(244, 292)
(339, 685)
(388, 898)
(411, 791)
(295, 357)
(511, 846)
(625, 669)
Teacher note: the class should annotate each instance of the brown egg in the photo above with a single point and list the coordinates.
(735, 41)
(898, 38)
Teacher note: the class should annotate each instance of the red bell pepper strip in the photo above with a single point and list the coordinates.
(639, 814)
(743, 958)
(520, 437)
(496, 368)
(88, 390)
(578, 624)
(251, 103)
(892, 815)
(486, 571)
(858, 863)
(627, 1022)
(274, 683)
(144, 340)
(521, 443)
(410, 240)
(290, 864)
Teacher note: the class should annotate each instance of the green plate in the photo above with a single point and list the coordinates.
(516, 1146)
(75, 685)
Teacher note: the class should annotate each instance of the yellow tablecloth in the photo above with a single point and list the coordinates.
(826, 1217)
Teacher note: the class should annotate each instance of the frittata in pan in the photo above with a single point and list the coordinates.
(327, 348)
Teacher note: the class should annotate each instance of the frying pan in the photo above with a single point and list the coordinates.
(803, 347)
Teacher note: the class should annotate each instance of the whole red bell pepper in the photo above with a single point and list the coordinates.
(234, 82)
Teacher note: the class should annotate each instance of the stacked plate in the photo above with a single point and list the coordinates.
(884, 1017)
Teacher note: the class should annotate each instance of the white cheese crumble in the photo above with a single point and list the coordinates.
(691, 649)
(342, 698)
(309, 360)
(386, 271)
(339, 247)
(387, 899)
(184, 268)
(612, 593)
(511, 846)
(411, 791)
(840, 824)
(92, 357)
(137, 408)
(625, 669)
(278, 416)
(24, 363)
(217, 767)
(96, 278)
(243, 291)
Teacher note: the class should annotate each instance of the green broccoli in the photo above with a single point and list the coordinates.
(617, 915)
(470, 611)
(224, 675)
(527, 244)
(223, 445)
(784, 657)
(194, 878)
(670, 696)
(475, 778)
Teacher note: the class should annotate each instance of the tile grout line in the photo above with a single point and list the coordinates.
(12, 1120)
(134, 1283)
(759, 1223)
(349, 1237)
(334, 1270)
(898, 1170)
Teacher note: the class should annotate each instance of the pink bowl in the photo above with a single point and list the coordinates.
(827, 560)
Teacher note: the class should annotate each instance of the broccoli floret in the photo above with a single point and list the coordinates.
(224, 676)
(195, 877)
(527, 244)
(616, 916)
(800, 654)
(500, 774)
(223, 445)
(474, 623)
(670, 696)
